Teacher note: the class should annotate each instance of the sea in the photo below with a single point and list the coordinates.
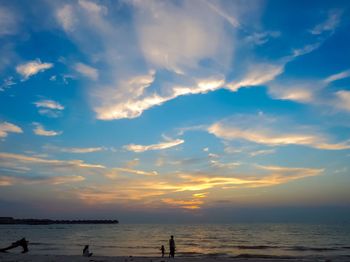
(280, 240)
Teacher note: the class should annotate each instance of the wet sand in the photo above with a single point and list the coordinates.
(8, 257)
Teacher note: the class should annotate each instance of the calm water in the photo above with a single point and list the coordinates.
(191, 240)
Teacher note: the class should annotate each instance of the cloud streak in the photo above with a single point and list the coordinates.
(55, 180)
(49, 107)
(330, 24)
(73, 150)
(31, 68)
(160, 146)
(6, 128)
(267, 131)
(41, 131)
(87, 71)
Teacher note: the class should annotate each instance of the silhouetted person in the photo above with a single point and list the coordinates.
(20, 243)
(86, 252)
(162, 248)
(172, 246)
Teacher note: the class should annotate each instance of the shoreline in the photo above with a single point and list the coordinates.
(18, 257)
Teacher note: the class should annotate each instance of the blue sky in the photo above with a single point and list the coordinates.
(173, 106)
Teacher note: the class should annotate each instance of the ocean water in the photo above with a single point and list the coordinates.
(191, 240)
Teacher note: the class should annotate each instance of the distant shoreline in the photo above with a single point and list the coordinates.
(13, 221)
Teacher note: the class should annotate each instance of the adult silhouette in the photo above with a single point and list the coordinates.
(172, 246)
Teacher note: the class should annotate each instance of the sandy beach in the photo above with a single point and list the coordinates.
(8, 257)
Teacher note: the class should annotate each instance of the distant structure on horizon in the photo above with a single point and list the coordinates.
(14, 221)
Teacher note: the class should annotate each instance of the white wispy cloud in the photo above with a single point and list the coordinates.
(260, 38)
(330, 24)
(92, 7)
(41, 131)
(258, 74)
(130, 87)
(312, 91)
(115, 173)
(157, 24)
(6, 127)
(154, 26)
(82, 150)
(136, 101)
(50, 104)
(343, 99)
(31, 68)
(44, 165)
(159, 146)
(56, 171)
(66, 17)
(221, 12)
(49, 108)
(87, 70)
(73, 150)
(8, 22)
(262, 152)
(298, 91)
(7, 83)
(338, 76)
(270, 131)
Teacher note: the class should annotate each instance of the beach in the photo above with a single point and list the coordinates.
(7, 257)
(207, 242)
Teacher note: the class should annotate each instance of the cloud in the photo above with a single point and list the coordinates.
(180, 189)
(6, 127)
(51, 171)
(66, 17)
(272, 132)
(196, 60)
(262, 152)
(49, 108)
(87, 70)
(31, 68)
(132, 52)
(338, 76)
(41, 131)
(50, 104)
(115, 172)
(260, 38)
(258, 74)
(275, 175)
(185, 190)
(343, 99)
(159, 146)
(8, 22)
(27, 164)
(136, 101)
(92, 7)
(74, 150)
(302, 92)
(7, 83)
(221, 12)
(185, 204)
(176, 38)
(312, 91)
(55, 180)
(330, 24)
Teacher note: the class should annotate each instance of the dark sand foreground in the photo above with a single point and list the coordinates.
(7, 257)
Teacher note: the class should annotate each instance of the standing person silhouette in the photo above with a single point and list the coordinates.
(172, 247)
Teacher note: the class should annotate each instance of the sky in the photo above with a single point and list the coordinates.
(175, 110)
